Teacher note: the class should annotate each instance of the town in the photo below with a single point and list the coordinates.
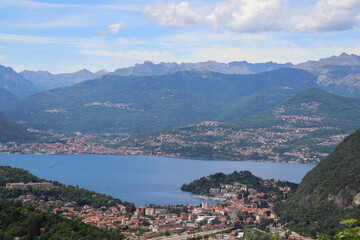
(243, 207)
(217, 140)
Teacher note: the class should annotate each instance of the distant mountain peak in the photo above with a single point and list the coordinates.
(45, 80)
(84, 70)
(344, 54)
(4, 68)
(147, 62)
(148, 68)
(342, 59)
(337, 74)
(102, 72)
(15, 83)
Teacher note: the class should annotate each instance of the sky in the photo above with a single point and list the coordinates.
(66, 36)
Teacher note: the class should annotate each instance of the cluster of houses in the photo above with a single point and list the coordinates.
(30, 185)
(153, 221)
(235, 190)
(268, 138)
(122, 106)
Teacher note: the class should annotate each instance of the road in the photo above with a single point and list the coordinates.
(183, 237)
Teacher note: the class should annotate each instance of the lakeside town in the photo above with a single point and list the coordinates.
(277, 144)
(243, 207)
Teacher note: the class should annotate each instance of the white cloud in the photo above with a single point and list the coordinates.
(331, 15)
(249, 16)
(172, 15)
(254, 16)
(113, 28)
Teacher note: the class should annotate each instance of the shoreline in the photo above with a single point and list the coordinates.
(162, 156)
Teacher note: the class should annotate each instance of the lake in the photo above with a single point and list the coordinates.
(143, 180)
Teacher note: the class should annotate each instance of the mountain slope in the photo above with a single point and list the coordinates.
(149, 69)
(310, 108)
(330, 192)
(255, 103)
(15, 83)
(11, 132)
(336, 74)
(304, 128)
(6, 98)
(138, 104)
(263, 91)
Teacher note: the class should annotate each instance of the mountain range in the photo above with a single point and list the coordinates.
(15, 83)
(336, 74)
(36, 81)
(45, 80)
(146, 100)
(328, 194)
(148, 68)
(137, 104)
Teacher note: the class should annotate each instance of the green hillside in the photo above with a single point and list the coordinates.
(304, 128)
(255, 103)
(18, 221)
(140, 104)
(310, 108)
(6, 98)
(203, 185)
(11, 132)
(24, 221)
(329, 193)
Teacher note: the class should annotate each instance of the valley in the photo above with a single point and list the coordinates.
(281, 116)
(180, 120)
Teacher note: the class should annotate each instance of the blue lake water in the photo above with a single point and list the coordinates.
(142, 180)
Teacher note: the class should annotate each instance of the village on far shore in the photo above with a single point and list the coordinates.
(261, 144)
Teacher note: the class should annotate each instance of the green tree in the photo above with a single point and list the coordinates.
(275, 236)
(349, 233)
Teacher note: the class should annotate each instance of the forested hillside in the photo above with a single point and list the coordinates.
(329, 193)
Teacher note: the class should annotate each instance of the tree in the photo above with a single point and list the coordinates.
(349, 233)
(275, 236)
(238, 225)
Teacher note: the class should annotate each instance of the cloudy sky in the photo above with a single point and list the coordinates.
(65, 36)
